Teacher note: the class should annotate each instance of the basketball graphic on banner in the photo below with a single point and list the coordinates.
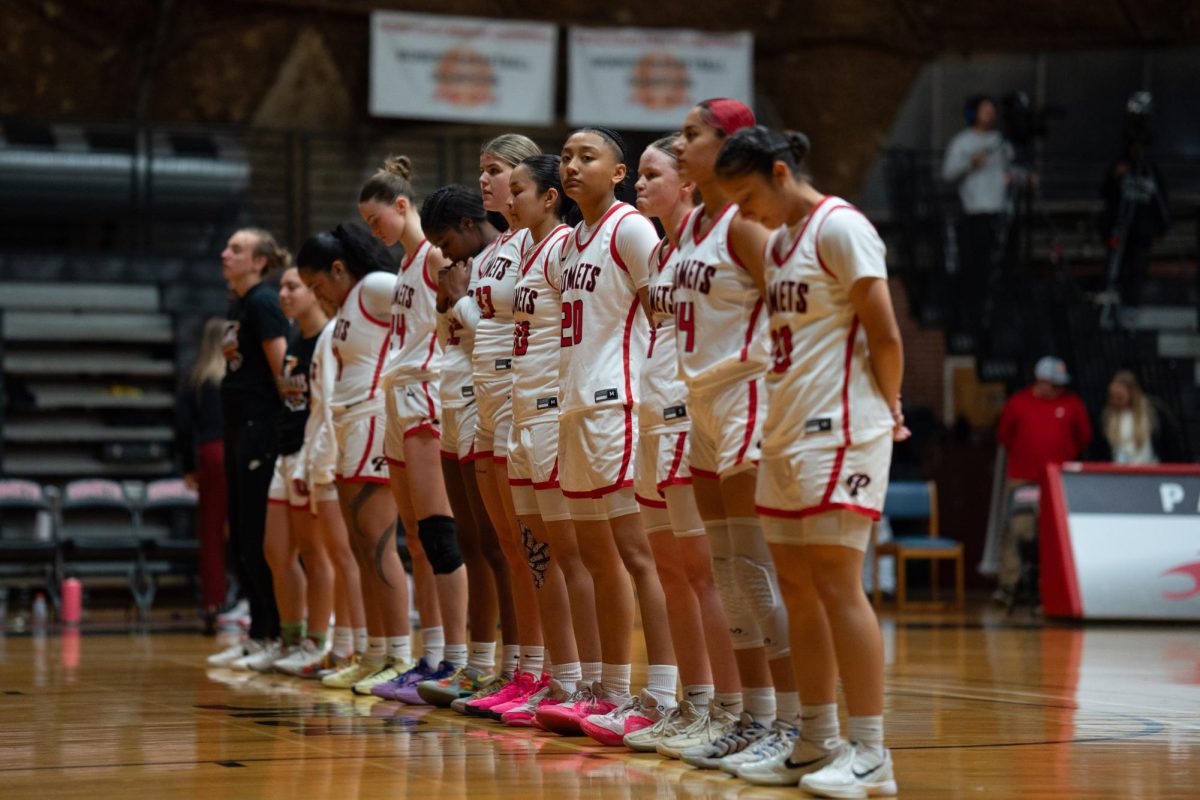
(660, 81)
(464, 78)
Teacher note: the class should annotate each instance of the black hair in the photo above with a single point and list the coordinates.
(972, 104)
(756, 149)
(545, 173)
(393, 180)
(610, 137)
(446, 207)
(352, 244)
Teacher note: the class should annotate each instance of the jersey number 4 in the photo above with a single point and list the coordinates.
(781, 349)
(572, 323)
(685, 324)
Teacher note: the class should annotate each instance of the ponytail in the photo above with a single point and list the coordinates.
(265, 246)
(393, 180)
(352, 244)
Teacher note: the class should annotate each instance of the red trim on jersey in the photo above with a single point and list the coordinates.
(846, 381)
(471, 455)
(363, 308)
(383, 351)
(520, 481)
(683, 225)
(596, 494)
(704, 473)
(673, 478)
(432, 348)
(499, 460)
(366, 450)
(474, 454)
(653, 337)
(823, 508)
(751, 418)
(362, 479)
(424, 426)
(394, 462)
(645, 501)
(775, 254)
(626, 459)
(449, 455)
(817, 239)
(697, 238)
(527, 262)
(625, 345)
(833, 475)
(612, 243)
(552, 483)
(581, 246)
(429, 400)
(758, 307)
(406, 263)
(275, 502)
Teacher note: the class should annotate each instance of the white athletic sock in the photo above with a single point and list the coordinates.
(361, 638)
(760, 704)
(399, 648)
(532, 660)
(729, 701)
(433, 644)
(867, 735)
(819, 723)
(510, 657)
(699, 694)
(343, 642)
(660, 682)
(483, 657)
(614, 679)
(787, 706)
(593, 671)
(456, 654)
(568, 675)
(377, 648)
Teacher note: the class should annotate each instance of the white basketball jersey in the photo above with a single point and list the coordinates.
(537, 325)
(603, 335)
(361, 336)
(495, 286)
(415, 353)
(457, 385)
(663, 403)
(720, 321)
(821, 387)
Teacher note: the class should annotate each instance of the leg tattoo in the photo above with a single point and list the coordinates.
(380, 549)
(538, 554)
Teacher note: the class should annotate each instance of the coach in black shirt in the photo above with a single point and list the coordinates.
(255, 344)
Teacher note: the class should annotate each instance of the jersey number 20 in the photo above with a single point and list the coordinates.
(572, 323)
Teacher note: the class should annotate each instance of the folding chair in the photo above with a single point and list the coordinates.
(166, 528)
(28, 545)
(916, 500)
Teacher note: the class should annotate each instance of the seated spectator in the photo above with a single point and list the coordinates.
(1136, 428)
(1042, 425)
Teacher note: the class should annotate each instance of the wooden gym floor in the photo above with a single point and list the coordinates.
(978, 706)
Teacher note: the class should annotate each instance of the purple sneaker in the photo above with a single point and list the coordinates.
(408, 693)
(414, 676)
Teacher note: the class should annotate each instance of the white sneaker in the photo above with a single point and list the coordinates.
(672, 723)
(708, 756)
(302, 660)
(227, 656)
(790, 760)
(285, 654)
(853, 775)
(263, 660)
(236, 617)
(713, 723)
(252, 648)
(780, 738)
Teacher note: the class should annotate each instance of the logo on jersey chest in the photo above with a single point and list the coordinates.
(403, 296)
(785, 297)
(661, 299)
(525, 300)
(694, 275)
(581, 277)
(341, 329)
(496, 269)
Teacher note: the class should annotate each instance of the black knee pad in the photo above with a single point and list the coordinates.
(439, 537)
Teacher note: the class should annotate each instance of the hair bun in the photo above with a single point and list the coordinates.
(399, 165)
(799, 145)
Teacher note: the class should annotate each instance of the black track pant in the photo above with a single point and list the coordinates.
(250, 450)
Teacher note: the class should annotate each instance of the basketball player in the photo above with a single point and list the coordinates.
(827, 443)
(564, 587)
(698, 629)
(723, 353)
(353, 271)
(410, 382)
(603, 274)
(255, 344)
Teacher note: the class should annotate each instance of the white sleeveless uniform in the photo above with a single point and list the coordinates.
(721, 334)
(827, 441)
(319, 465)
(457, 387)
(411, 375)
(496, 281)
(361, 337)
(663, 446)
(603, 341)
(533, 438)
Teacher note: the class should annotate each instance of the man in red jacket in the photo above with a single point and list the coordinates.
(1041, 425)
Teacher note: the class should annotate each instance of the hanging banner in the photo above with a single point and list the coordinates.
(647, 79)
(462, 69)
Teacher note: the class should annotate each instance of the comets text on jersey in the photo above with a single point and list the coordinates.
(694, 275)
(787, 297)
(581, 277)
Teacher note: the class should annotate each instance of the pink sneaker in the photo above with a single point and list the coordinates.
(497, 711)
(566, 718)
(639, 711)
(521, 686)
(525, 715)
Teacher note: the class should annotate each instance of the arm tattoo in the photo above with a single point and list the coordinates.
(538, 554)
